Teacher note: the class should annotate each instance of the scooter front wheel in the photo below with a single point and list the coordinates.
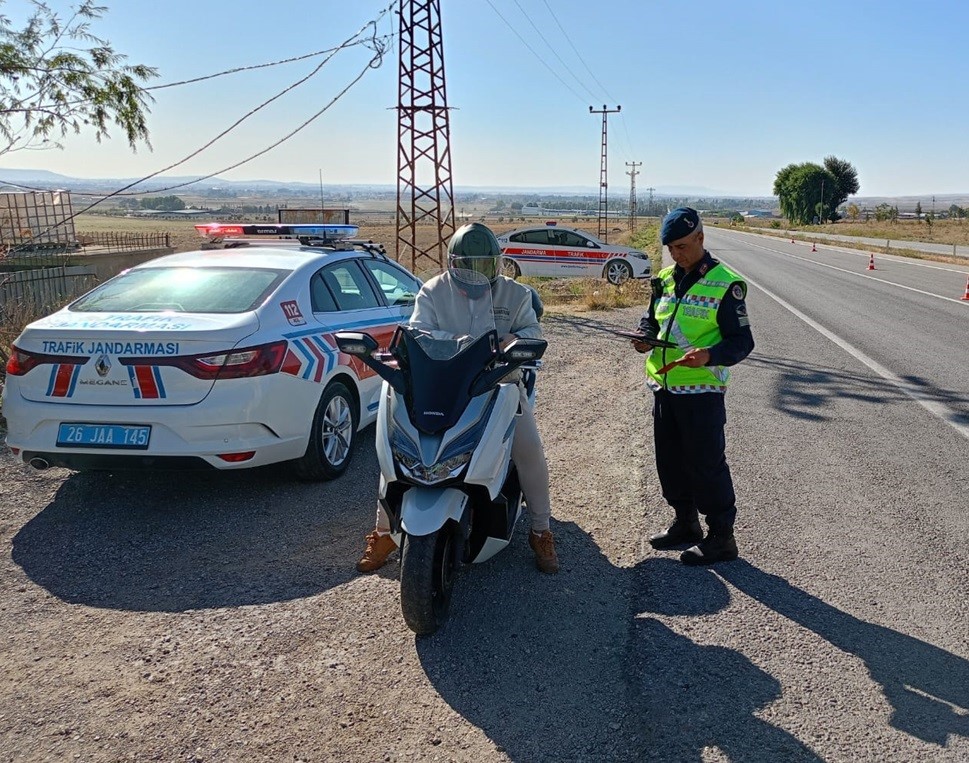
(427, 570)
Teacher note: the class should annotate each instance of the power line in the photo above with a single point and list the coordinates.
(373, 63)
(254, 67)
(576, 51)
(532, 50)
(554, 51)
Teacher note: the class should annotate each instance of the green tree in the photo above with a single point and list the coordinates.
(853, 212)
(57, 78)
(918, 211)
(809, 191)
(845, 183)
(883, 212)
(163, 203)
(800, 191)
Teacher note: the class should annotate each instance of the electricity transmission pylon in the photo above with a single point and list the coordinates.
(632, 193)
(604, 175)
(425, 192)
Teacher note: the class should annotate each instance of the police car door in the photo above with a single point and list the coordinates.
(585, 255)
(345, 300)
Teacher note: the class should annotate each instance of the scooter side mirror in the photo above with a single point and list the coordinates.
(356, 343)
(525, 350)
(517, 353)
(362, 346)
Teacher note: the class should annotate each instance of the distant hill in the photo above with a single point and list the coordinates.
(28, 179)
(45, 180)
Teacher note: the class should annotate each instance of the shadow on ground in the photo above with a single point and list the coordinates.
(573, 667)
(170, 542)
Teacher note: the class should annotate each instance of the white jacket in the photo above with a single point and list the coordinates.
(442, 307)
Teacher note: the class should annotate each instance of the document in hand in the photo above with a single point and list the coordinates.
(639, 336)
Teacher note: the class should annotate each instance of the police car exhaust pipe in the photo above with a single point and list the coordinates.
(39, 463)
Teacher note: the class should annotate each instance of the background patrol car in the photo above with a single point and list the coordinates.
(557, 251)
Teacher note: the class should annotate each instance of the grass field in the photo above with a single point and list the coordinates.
(938, 232)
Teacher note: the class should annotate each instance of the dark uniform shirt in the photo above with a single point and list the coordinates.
(737, 342)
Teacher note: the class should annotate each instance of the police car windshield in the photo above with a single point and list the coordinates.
(183, 290)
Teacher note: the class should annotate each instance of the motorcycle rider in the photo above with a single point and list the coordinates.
(473, 249)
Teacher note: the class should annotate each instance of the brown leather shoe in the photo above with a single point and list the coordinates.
(379, 547)
(544, 547)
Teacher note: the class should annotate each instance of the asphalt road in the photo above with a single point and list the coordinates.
(218, 618)
(849, 440)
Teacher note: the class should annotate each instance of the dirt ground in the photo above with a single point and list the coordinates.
(219, 617)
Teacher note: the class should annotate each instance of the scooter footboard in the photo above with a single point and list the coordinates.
(425, 510)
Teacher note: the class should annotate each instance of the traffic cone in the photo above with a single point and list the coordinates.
(965, 296)
(814, 247)
(871, 261)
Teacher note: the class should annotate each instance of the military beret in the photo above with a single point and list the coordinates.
(681, 222)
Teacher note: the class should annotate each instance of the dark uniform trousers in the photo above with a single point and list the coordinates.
(690, 457)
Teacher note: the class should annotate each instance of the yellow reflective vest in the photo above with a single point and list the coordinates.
(690, 322)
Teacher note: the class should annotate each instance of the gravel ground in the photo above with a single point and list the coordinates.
(219, 616)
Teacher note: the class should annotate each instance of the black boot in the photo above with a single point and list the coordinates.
(716, 547)
(681, 532)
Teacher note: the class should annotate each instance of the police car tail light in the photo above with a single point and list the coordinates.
(22, 362)
(261, 360)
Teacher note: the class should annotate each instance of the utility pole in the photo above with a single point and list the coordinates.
(603, 175)
(423, 149)
(821, 206)
(632, 193)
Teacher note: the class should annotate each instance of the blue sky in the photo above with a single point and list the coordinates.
(714, 95)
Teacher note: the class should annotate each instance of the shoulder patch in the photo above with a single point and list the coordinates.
(738, 291)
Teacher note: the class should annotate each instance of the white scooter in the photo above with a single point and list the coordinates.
(445, 427)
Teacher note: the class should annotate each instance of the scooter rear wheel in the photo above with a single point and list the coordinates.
(427, 570)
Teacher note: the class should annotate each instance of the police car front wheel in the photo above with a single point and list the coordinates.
(618, 272)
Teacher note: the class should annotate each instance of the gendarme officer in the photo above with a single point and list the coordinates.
(698, 304)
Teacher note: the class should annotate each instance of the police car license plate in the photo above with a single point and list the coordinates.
(103, 436)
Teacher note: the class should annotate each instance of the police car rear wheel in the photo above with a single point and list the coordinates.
(618, 272)
(509, 268)
(332, 437)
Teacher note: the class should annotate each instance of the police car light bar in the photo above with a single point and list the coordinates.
(550, 223)
(219, 231)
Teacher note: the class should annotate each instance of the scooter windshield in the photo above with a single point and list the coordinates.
(450, 340)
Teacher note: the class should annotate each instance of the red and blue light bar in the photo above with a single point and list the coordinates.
(331, 232)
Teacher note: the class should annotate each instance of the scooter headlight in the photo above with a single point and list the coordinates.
(429, 475)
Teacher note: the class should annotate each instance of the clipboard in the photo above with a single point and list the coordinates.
(641, 337)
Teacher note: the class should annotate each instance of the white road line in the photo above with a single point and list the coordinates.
(937, 409)
(860, 275)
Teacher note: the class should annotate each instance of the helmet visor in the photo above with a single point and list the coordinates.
(484, 266)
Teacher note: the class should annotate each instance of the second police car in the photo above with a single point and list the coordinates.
(220, 358)
(553, 250)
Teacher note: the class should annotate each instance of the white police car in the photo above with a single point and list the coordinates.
(556, 251)
(221, 358)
